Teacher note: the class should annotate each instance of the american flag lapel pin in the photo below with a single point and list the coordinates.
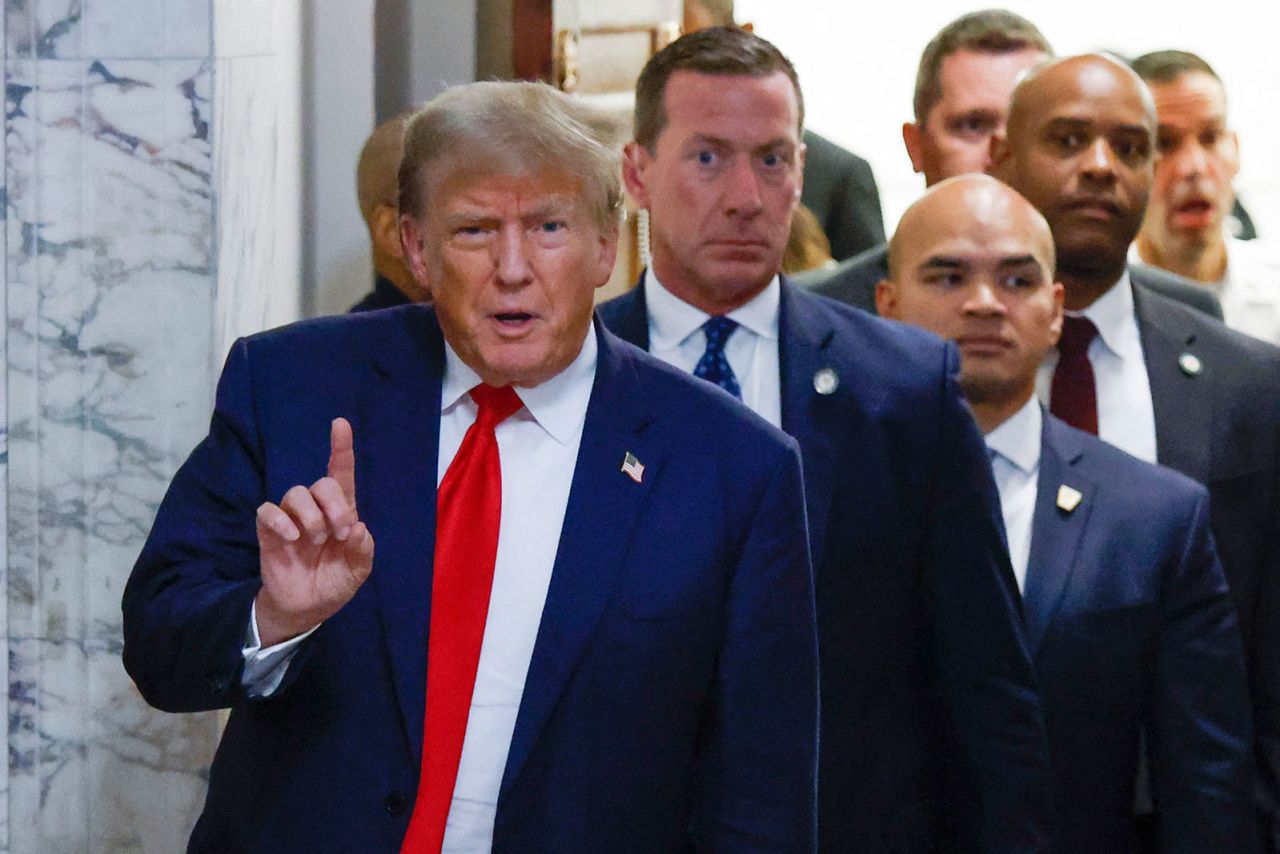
(632, 467)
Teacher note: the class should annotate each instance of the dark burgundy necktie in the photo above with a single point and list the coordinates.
(1073, 397)
(468, 513)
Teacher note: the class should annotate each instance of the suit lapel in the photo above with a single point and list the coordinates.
(604, 504)
(630, 321)
(1055, 533)
(804, 337)
(1183, 401)
(397, 440)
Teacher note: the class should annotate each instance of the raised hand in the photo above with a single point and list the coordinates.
(314, 550)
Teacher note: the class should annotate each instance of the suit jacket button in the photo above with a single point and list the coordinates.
(394, 803)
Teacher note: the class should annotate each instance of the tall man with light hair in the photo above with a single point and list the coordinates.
(1185, 231)
(932, 737)
(587, 624)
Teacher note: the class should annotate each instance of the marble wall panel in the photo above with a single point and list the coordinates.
(110, 29)
(109, 337)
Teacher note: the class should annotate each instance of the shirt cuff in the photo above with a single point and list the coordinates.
(264, 669)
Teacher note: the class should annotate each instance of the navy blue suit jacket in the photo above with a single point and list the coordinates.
(932, 736)
(1220, 425)
(1132, 627)
(672, 691)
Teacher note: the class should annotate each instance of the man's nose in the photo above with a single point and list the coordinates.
(1190, 160)
(984, 301)
(512, 257)
(742, 193)
(1100, 160)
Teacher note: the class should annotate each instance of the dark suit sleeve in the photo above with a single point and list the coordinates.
(1265, 680)
(1197, 719)
(854, 222)
(759, 772)
(998, 799)
(187, 602)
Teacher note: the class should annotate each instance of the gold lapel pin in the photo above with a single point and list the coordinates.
(1068, 498)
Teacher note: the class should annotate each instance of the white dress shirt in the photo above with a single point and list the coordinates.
(676, 337)
(1250, 288)
(538, 448)
(1126, 416)
(1015, 463)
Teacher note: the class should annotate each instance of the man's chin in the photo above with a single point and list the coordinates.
(983, 389)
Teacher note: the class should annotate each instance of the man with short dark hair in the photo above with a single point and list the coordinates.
(931, 732)
(966, 74)
(589, 622)
(1126, 631)
(1185, 227)
(1145, 373)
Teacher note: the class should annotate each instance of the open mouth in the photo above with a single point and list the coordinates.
(1194, 213)
(512, 321)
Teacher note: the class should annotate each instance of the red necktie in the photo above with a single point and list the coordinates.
(1073, 396)
(468, 513)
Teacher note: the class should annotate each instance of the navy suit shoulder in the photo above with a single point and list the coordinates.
(1216, 397)
(691, 574)
(1136, 634)
(852, 281)
(908, 550)
(1177, 288)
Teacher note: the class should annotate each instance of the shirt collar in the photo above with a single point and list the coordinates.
(1113, 315)
(672, 320)
(559, 405)
(1017, 439)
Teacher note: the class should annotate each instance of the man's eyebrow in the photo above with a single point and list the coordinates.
(1020, 261)
(1068, 121)
(943, 262)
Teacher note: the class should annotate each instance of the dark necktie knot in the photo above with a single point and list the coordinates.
(1078, 333)
(714, 365)
(718, 329)
(495, 404)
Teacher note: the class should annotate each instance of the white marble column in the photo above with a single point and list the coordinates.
(146, 148)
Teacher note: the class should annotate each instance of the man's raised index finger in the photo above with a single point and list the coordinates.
(342, 458)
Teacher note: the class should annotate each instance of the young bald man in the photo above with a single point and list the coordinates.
(1161, 381)
(1127, 632)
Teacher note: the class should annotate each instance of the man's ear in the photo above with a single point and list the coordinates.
(1059, 299)
(385, 230)
(801, 151)
(635, 162)
(1235, 153)
(607, 256)
(887, 299)
(998, 156)
(911, 138)
(413, 250)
